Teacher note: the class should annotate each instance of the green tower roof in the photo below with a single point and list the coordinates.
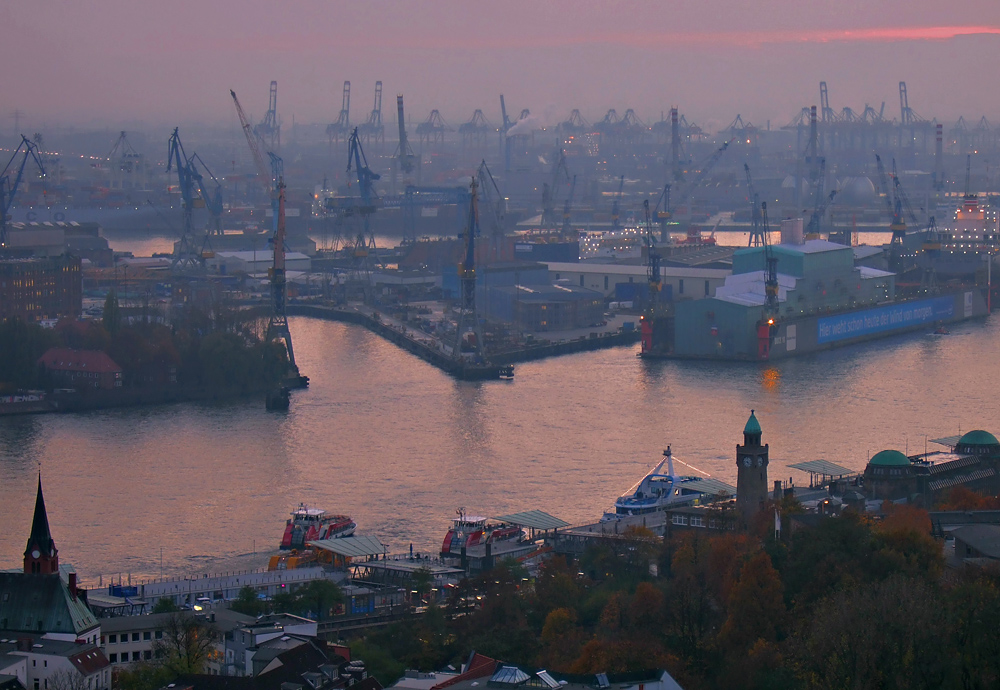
(978, 437)
(753, 426)
(890, 458)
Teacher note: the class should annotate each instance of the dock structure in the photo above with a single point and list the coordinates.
(435, 352)
(188, 590)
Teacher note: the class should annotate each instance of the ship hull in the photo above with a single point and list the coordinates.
(815, 333)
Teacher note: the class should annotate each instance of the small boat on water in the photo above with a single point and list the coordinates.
(468, 531)
(941, 330)
(312, 524)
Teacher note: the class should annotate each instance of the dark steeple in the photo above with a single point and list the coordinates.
(40, 554)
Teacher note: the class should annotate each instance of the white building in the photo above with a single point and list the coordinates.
(682, 283)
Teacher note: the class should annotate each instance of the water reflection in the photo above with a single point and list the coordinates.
(390, 440)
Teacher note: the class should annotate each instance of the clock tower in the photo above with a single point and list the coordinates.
(751, 471)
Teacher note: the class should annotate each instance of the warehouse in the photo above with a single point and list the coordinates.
(678, 283)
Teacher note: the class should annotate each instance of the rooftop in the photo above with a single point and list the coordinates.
(889, 458)
(536, 519)
(983, 538)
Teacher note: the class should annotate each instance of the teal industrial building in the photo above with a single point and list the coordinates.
(824, 300)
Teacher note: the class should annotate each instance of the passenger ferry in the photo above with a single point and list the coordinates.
(660, 489)
(468, 531)
(312, 524)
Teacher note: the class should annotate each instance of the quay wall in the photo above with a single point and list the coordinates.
(444, 361)
(187, 590)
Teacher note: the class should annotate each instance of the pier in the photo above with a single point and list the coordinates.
(433, 351)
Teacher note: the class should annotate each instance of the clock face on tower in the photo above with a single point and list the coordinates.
(36, 553)
(760, 461)
(747, 461)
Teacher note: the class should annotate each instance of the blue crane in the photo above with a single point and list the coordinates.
(211, 197)
(185, 253)
(8, 190)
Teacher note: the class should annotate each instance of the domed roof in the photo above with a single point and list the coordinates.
(856, 191)
(753, 426)
(889, 458)
(978, 437)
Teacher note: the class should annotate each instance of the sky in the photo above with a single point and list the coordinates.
(119, 63)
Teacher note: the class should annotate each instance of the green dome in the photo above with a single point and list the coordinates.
(753, 426)
(889, 458)
(978, 437)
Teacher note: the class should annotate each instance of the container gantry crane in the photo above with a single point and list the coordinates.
(8, 189)
(269, 130)
(372, 128)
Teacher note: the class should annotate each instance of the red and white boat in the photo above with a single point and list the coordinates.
(312, 524)
(468, 531)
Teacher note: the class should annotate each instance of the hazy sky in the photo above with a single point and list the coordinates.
(115, 62)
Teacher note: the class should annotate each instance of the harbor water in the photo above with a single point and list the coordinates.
(399, 445)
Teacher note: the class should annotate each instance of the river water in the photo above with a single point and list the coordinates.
(397, 444)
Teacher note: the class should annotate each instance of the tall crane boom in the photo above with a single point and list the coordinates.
(757, 237)
(8, 190)
(248, 131)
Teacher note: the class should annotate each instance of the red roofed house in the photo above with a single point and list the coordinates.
(75, 368)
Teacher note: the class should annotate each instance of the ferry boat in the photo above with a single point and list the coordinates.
(660, 489)
(468, 531)
(312, 524)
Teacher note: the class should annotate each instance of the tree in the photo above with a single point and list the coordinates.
(756, 607)
(318, 596)
(143, 675)
(422, 580)
(165, 605)
(112, 318)
(247, 602)
(67, 680)
(186, 644)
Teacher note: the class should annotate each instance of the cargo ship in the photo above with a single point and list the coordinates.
(819, 299)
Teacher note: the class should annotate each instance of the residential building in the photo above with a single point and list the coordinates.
(81, 368)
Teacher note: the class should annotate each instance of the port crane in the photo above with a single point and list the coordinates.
(372, 127)
(211, 197)
(616, 205)
(665, 215)
(493, 199)
(768, 324)
(757, 237)
(269, 130)
(897, 203)
(567, 206)
(468, 316)
(559, 171)
(405, 158)
(342, 127)
(365, 242)
(8, 189)
(822, 201)
(277, 325)
(655, 324)
(185, 254)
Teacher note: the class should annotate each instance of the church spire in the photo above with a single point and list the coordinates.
(40, 554)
